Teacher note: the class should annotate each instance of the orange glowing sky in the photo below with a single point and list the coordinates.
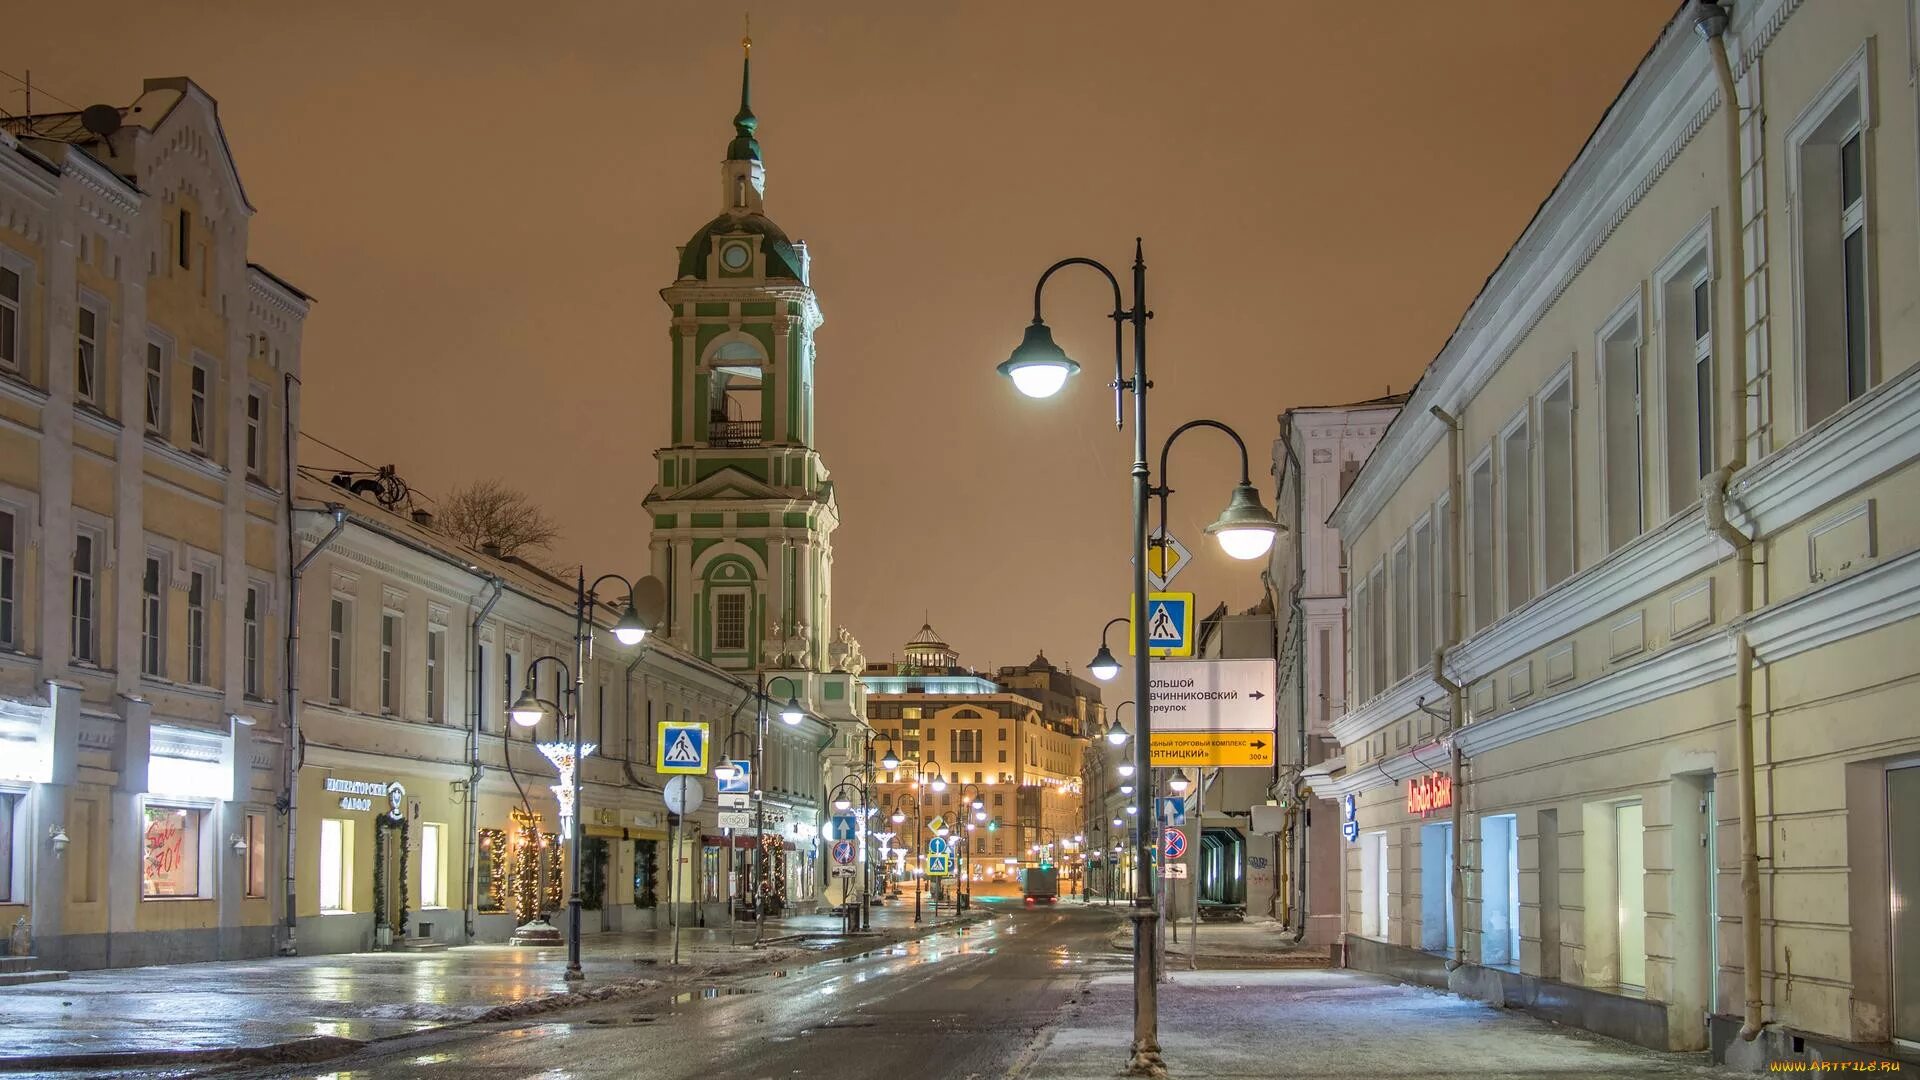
(485, 198)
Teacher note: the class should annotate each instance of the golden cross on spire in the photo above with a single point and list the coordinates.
(746, 33)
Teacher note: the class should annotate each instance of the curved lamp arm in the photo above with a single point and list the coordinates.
(1120, 317)
(1165, 490)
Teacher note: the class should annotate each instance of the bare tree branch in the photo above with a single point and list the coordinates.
(489, 512)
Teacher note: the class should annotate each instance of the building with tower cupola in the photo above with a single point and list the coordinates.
(1017, 740)
(742, 507)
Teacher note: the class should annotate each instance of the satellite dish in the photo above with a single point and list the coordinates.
(650, 600)
(102, 120)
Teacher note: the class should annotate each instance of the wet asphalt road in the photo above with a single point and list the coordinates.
(963, 1003)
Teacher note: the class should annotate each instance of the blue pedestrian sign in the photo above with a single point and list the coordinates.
(1169, 624)
(843, 827)
(741, 783)
(681, 748)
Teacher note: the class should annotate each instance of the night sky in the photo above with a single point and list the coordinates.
(486, 197)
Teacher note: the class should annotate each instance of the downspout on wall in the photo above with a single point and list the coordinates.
(1710, 21)
(290, 753)
(1297, 473)
(1456, 694)
(474, 716)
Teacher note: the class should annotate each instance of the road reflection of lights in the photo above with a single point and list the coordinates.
(330, 1027)
(432, 1059)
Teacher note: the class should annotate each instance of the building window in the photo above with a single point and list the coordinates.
(250, 637)
(1362, 645)
(730, 620)
(339, 650)
(184, 236)
(1623, 436)
(1423, 626)
(1402, 612)
(1828, 177)
(1556, 484)
(86, 355)
(256, 856)
(389, 673)
(9, 579)
(336, 865)
(156, 389)
(153, 617)
(964, 746)
(256, 456)
(172, 862)
(85, 595)
(1374, 880)
(1516, 512)
(199, 419)
(433, 865)
(10, 819)
(1483, 569)
(1685, 292)
(197, 628)
(1377, 615)
(11, 347)
(436, 690)
(1437, 929)
(1443, 570)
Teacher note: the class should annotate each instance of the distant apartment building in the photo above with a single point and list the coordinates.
(148, 376)
(1014, 740)
(1650, 504)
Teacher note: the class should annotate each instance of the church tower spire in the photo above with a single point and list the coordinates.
(743, 175)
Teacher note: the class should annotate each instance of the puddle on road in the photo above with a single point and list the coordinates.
(711, 992)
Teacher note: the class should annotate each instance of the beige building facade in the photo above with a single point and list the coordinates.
(148, 374)
(1633, 574)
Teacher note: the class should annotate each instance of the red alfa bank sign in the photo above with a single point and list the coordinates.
(1428, 793)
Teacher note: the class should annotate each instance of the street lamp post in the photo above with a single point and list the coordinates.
(841, 800)
(1040, 368)
(791, 713)
(725, 771)
(973, 812)
(889, 761)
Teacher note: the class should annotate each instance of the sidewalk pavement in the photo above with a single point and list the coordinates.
(1224, 1025)
(312, 1007)
(1264, 943)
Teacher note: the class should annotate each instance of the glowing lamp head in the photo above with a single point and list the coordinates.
(1103, 666)
(1245, 530)
(527, 710)
(842, 803)
(726, 770)
(939, 784)
(1038, 368)
(1117, 823)
(1115, 733)
(630, 630)
(1126, 768)
(890, 760)
(1131, 810)
(791, 713)
(1179, 783)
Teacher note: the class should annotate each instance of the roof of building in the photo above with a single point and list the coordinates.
(782, 260)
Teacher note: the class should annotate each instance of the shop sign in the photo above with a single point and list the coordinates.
(360, 795)
(1428, 793)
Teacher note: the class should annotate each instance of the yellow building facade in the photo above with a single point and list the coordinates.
(148, 372)
(1632, 576)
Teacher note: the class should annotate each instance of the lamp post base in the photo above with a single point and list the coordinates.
(1144, 1058)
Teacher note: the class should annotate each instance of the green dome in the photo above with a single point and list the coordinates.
(782, 260)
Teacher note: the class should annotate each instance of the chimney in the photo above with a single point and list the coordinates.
(492, 549)
(423, 518)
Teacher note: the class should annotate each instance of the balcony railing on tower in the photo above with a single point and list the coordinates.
(733, 433)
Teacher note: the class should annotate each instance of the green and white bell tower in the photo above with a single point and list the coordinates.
(743, 510)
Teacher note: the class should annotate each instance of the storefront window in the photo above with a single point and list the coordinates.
(256, 855)
(9, 811)
(336, 865)
(172, 864)
(433, 865)
(646, 856)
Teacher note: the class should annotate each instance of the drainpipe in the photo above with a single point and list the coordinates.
(290, 751)
(1456, 694)
(1710, 21)
(1298, 474)
(474, 716)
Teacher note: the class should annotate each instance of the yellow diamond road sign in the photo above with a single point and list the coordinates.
(1166, 557)
(1212, 749)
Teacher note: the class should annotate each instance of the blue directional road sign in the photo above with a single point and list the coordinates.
(843, 827)
(1171, 809)
(742, 782)
(939, 845)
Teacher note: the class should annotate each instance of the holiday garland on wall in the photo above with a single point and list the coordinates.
(493, 868)
(382, 825)
(593, 874)
(553, 896)
(526, 866)
(646, 864)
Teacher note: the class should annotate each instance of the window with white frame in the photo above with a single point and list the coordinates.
(1830, 159)
(256, 855)
(13, 345)
(156, 388)
(1483, 566)
(1377, 590)
(199, 411)
(86, 353)
(1444, 584)
(730, 620)
(86, 596)
(197, 627)
(1423, 626)
(172, 858)
(153, 615)
(1402, 612)
(339, 650)
(1685, 291)
(1557, 540)
(1622, 438)
(1516, 511)
(252, 638)
(256, 435)
(433, 865)
(336, 866)
(1362, 644)
(10, 820)
(389, 662)
(10, 545)
(436, 673)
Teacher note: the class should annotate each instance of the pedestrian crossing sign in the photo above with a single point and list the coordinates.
(1169, 624)
(680, 747)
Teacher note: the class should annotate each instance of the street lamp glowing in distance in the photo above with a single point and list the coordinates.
(1126, 768)
(791, 712)
(1115, 733)
(629, 630)
(890, 760)
(1245, 530)
(1038, 368)
(1179, 783)
(842, 803)
(1103, 666)
(527, 710)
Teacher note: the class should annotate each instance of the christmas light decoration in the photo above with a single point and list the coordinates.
(561, 754)
(526, 866)
(493, 873)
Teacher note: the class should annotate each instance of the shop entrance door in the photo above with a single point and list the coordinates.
(1903, 804)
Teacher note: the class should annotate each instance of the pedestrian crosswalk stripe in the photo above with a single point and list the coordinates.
(682, 751)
